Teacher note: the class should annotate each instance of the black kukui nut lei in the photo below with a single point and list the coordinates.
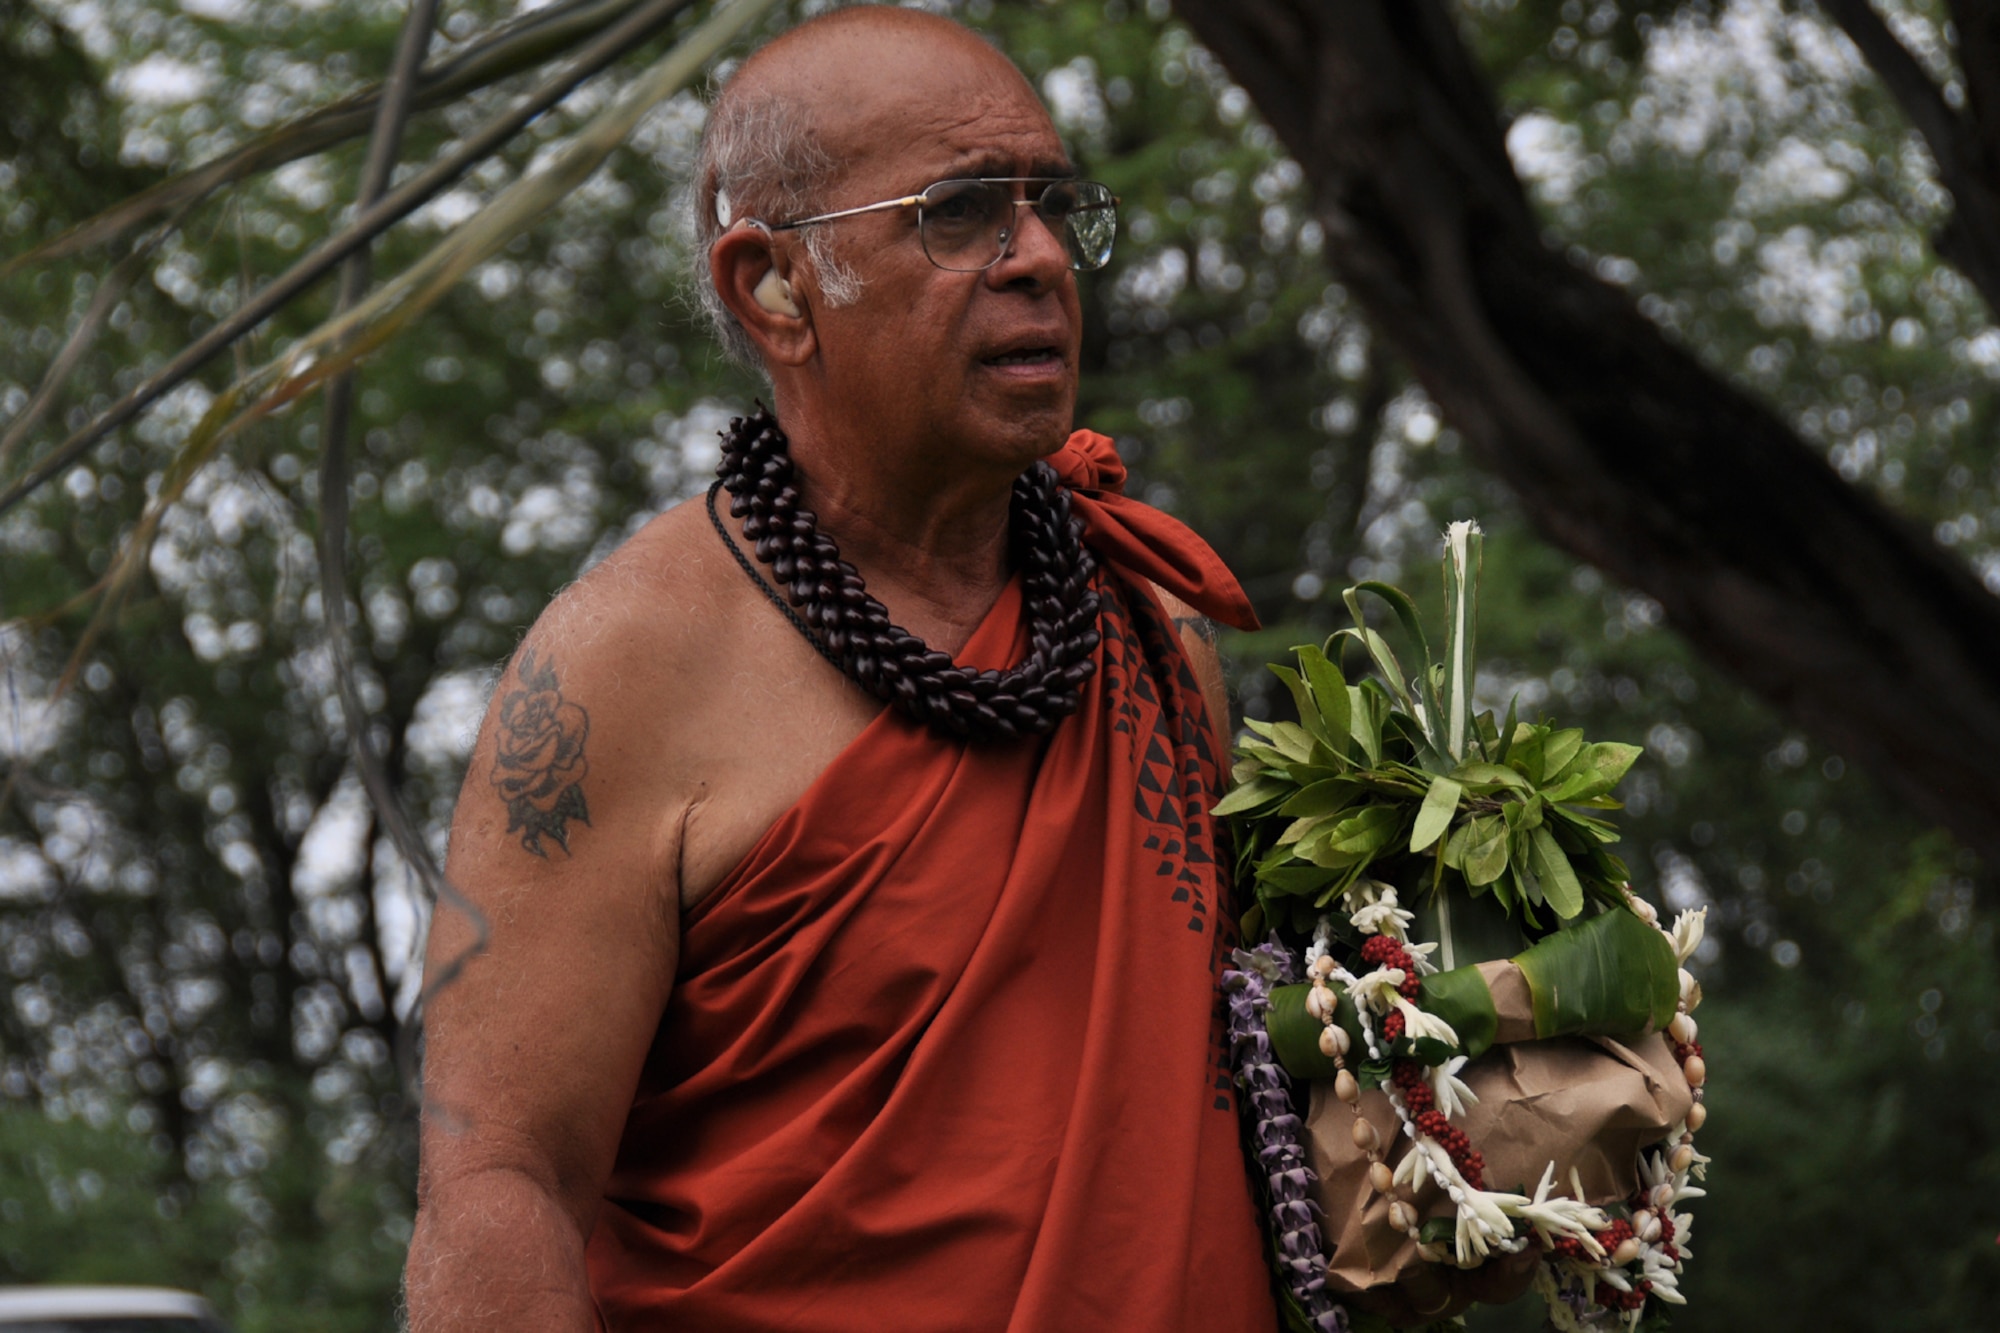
(853, 630)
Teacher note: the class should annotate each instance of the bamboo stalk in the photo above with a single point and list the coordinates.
(1461, 590)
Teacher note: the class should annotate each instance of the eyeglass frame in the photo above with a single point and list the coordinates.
(917, 201)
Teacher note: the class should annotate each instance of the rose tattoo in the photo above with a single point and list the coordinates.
(539, 765)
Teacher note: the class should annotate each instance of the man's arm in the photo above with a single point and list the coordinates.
(1198, 635)
(565, 840)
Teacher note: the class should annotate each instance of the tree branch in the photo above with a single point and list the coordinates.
(1922, 100)
(528, 41)
(110, 291)
(385, 213)
(1978, 25)
(1623, 449)
(369, 762)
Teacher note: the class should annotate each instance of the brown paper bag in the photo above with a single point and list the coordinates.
(1584, 1102)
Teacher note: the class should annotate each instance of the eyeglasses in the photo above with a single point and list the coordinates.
(967, 225)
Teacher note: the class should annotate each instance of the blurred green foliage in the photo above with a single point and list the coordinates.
(208, 949)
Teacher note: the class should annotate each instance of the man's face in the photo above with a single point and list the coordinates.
(976, 368)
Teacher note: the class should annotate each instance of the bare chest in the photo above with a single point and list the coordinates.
(775, 718)
(775, 715)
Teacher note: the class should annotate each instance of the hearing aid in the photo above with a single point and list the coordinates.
(772, 292)
(775, 295)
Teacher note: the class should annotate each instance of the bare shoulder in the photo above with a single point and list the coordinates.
(588, 721)
(652, 603)
(662, 709)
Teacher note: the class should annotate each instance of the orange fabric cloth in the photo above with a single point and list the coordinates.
(944, 1052)
(1140, 539)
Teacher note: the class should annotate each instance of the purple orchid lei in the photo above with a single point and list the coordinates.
(1276, 1130)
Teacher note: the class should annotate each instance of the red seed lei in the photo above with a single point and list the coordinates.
(1385, 951)
(1410, 1080)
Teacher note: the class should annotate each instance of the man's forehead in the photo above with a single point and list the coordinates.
(929, 130)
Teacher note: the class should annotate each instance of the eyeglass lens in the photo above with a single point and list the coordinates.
(967, 224)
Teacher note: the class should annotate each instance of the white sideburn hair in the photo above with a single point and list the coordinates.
(759, 158)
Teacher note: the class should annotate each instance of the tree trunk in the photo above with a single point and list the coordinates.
(1623, 449)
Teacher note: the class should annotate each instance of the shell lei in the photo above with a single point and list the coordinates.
(1275, 1134)
(1598, 1269)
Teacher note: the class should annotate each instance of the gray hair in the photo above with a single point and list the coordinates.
(759, 158)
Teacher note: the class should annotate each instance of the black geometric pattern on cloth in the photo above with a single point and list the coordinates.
(1179, 779)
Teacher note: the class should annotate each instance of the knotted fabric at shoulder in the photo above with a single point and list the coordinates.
(1140, 539)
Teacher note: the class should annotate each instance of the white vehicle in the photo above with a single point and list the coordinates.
(105, 1310)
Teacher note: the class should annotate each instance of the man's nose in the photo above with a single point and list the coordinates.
(1035, 255)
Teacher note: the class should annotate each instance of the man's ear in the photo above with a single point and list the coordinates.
(753, 279)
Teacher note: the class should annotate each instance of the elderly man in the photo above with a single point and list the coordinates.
(844, 842)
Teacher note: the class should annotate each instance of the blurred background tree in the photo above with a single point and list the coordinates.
(209, 938)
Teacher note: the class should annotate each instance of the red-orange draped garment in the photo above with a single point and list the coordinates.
(943, 1052)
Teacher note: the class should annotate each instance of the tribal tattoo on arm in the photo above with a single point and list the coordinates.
(1207, 664)
(538, 762)
(1200, 626)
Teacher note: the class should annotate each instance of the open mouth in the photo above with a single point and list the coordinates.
(1027, 356)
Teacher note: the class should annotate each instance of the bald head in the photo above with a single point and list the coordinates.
(809, 109)
(859, 44)
(842, 69)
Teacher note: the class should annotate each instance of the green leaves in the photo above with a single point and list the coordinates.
(1375, 781)
(1562, 890)
(1321, 695)
(1330, 692)
(1249, 795)
(1302, 699)
(1486, 779)
(1461, 998)
(1483, 857)
(1354, 838)
(1322, 798)
(1612, 976)
(1440, 804)
(1594, 772)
